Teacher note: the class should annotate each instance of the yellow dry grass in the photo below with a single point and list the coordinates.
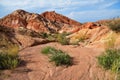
(112, 40)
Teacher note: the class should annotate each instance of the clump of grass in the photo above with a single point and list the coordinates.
(78, 37)
(8, 61)
(110, 60)
(11, 49)
(116, 65)
(61, 38)
(48, 50)
(61, 59)
(57, 56)
(110, 40)
(6, 46)
(8, 53)
(114, 25)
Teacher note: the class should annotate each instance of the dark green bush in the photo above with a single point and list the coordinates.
(8, 61)
(44, 35)
(110, 58)
(57, 56)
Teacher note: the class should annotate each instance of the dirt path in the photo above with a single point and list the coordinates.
(85, 65)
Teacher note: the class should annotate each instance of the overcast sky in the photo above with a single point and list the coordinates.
(80, 10)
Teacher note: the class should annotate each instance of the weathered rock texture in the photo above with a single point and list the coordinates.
(55, 17)
(46, 22)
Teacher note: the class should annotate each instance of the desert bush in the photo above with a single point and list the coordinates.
(110, 59)
(8, 61)
(48, 50)
(8, 53)
(61, 58)
(57, 56)
(114, 25)
(44, 35)
(61, 38)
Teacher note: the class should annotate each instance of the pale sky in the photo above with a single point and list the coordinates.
(80, 10)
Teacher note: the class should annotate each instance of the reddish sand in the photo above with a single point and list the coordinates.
(38, 67)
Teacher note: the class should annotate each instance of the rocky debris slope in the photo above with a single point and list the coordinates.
(23, 41)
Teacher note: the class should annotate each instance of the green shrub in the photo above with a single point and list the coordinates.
(48, 50)
(8, 53)
(114, 25)
(57, 56)
(8, 61)
(110, 58)
(61, 59)
(44, 35)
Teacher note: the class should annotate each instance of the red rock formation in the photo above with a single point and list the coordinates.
(90, 25)
(46, 22)
(55, 17)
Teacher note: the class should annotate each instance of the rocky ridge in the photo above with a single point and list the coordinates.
(46, 22)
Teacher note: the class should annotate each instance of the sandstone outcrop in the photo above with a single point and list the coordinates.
(46, 22)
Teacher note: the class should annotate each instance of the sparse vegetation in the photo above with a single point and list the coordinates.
(6, 46)
(110, 60)
(28, 32)
(114, 25)
(48, 50)
(78, 37)
(61, 58)
(57, 56)
(61, 38)
(110, 40)
(116, 65)
(8, 53)
(8, 61)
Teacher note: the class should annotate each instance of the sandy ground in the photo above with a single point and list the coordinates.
(37, 66)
